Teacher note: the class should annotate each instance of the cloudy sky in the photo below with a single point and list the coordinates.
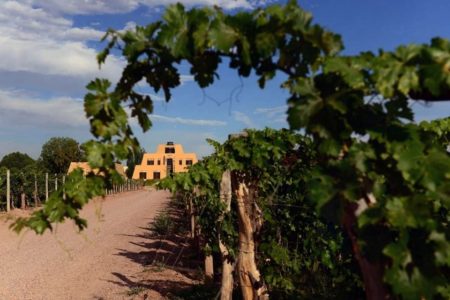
(48, 48)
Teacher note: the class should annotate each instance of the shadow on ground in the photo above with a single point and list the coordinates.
(170, 262)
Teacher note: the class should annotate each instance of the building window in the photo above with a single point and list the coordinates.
(156, 175)
(150, 162)
(180, 162)
(170, 150)
(159, 162)
(143, 175)
(189, 162)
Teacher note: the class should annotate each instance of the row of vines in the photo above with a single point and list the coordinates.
(298, 253)
(31, 186)
(28, 186)
(252, 203)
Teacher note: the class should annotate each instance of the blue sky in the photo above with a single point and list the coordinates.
(47, 56)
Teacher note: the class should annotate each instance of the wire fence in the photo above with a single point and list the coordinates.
(24, 190)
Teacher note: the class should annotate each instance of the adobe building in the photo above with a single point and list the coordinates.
(168, 159)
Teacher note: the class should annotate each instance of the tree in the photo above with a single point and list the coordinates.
(19, 164)
(16, 160)
(58, 152)
(24, 171)
(389, 191)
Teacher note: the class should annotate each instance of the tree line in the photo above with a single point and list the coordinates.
(27, 175)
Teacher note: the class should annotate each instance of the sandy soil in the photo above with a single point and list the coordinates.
(106, 261)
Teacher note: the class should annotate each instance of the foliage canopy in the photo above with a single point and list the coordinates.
(58, 152)
(16, 160)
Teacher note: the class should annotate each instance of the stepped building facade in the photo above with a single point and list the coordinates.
(168, 159)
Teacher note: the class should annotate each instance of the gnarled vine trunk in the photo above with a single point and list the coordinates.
(252, 285)
(372, 272)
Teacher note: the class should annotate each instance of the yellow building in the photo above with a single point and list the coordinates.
(86, 168)
(168, 159)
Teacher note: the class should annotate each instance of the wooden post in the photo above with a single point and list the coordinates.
(226, 290)
(23, 204)
(8, 191)
(192, 215)
(209, 269)
(46, 187)
(35, 192)
(56, 182)
(63, 182)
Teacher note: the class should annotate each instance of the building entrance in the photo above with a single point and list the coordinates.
(170, 167)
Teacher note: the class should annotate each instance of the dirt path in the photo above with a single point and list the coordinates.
(96, 264)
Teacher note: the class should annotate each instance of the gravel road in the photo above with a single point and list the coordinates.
(66, 264)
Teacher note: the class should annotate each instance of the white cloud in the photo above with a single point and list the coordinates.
(22, 21)
(272, 111)
(123, 6)
(82, 34)
(51, 57)
(226, 4)
(38, 38)
(37, 41)
(183, 121)
(243, 118)
(186, 78)
(275, 114)
(87, 6)
(21, 110)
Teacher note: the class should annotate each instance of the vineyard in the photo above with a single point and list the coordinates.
(31, 187)
(251, 206)
(27, 187)
(248, 207)
(353, 201)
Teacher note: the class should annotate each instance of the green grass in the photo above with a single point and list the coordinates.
(135, 290)
(162, 225)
